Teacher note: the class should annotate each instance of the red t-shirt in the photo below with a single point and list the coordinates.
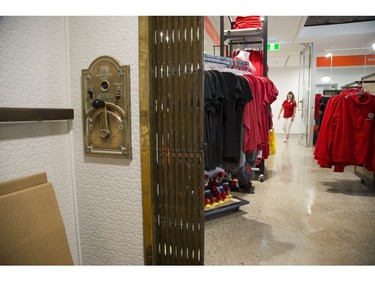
(288, 108)
(256, 114)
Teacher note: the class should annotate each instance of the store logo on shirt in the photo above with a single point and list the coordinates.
(370, 116)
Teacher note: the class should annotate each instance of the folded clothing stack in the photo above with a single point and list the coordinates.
(247, 22)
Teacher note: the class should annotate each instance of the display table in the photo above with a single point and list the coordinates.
(232, 205)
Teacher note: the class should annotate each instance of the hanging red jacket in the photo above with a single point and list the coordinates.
(346, 136)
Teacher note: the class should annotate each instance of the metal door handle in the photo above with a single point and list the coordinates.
(104, 132)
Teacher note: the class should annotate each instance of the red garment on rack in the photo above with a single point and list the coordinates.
(247, 22)
(256, 115)
(347, 135)
(251, 120)
(256, 58)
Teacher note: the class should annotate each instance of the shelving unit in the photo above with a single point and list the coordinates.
(18, 114)
(231, 37)
(234, 203)
(247, 36)
(231, 206)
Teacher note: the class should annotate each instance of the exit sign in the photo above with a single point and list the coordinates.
(273, 47)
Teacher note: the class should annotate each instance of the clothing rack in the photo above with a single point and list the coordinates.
(366, 177)
(331, 93)
(364, 171)
(225, 64)
(355, 84)
(247, 36)
(225, 61)
(217, 62)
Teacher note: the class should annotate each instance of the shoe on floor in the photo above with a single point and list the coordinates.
(247, 188)
(285, 140)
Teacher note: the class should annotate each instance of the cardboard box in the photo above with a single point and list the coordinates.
(32, 231)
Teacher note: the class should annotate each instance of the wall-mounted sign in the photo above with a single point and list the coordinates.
(273, 46)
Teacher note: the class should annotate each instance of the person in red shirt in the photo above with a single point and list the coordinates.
(289, 106)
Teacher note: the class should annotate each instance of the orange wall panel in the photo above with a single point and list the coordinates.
(211, 30)
(357, 60)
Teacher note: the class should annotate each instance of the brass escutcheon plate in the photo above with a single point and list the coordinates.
(106, 108)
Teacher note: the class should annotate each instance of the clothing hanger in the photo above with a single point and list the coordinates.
(361, 91)
(356, 86)
(236, 71)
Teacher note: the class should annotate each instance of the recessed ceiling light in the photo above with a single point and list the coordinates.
(325, 79)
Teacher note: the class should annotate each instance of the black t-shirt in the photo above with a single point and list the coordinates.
(226, 95)
(209, 111)
(215, 93)
(239, 96)
(229, 116)
(222, 100)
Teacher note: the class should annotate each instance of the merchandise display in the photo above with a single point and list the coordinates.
(217, 189)
(238, 120)
(243, 22)
(218, 196)
(346, 136)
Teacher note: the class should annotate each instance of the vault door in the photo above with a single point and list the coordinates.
(176, 140)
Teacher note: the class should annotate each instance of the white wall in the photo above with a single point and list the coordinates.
(40, 66)
(285, 79)
(108, 189)
(33, 73)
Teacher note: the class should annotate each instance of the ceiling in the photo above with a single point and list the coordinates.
(345, 35)
(326, 20)
(340, 35)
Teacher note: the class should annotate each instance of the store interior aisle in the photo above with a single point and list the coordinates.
(300, 215)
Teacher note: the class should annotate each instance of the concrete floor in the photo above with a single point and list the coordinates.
(300, 215)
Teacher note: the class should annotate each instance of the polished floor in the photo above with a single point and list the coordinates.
(300, 214)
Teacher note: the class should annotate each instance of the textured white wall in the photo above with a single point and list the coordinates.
(33, 73)
(41, 59)
(108, 189)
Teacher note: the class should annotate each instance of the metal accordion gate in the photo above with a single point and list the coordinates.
(174, 136)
